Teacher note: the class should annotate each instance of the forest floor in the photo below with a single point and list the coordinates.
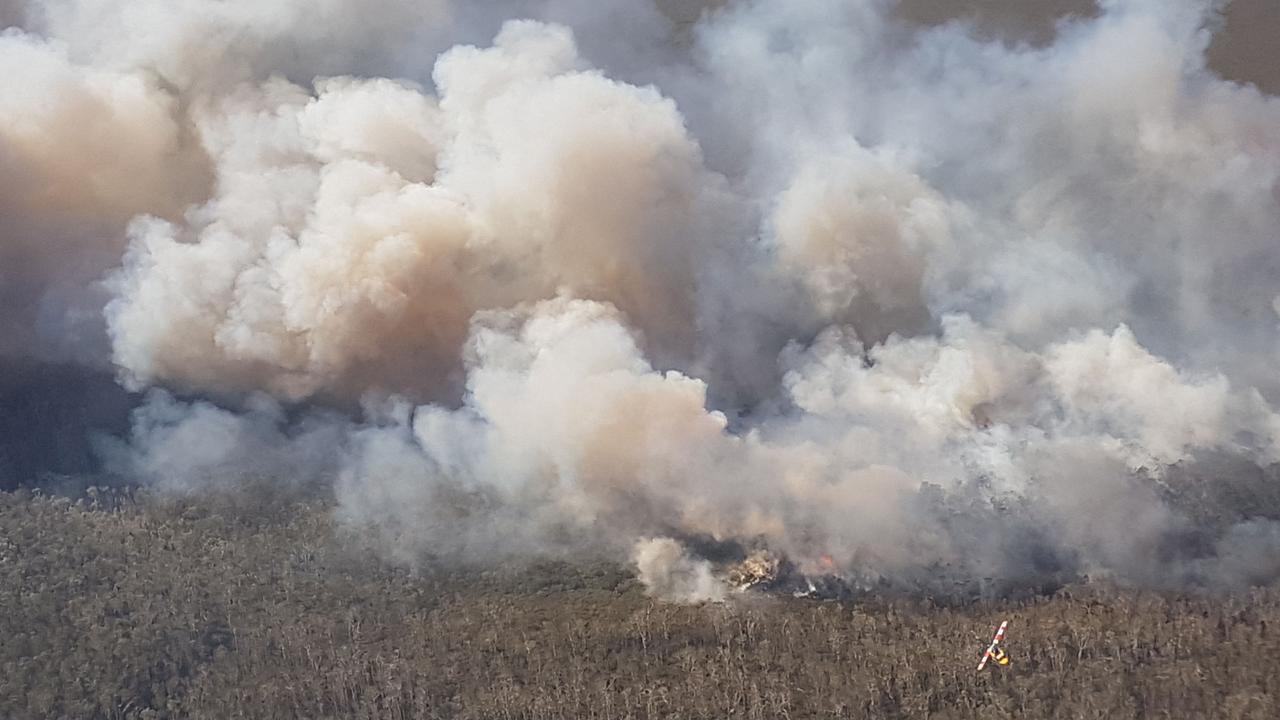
(117, 606)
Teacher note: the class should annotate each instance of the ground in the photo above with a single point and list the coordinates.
(121, 605)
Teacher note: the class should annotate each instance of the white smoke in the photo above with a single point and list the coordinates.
(669, 572)
(189, 447)
(355, 233)
(801, 274)
(82, 150)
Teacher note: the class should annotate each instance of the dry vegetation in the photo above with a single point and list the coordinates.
(118, 606)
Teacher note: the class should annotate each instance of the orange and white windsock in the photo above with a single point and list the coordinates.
(993, 650)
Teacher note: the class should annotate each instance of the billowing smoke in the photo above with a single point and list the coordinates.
(667, 569)
(904, 300)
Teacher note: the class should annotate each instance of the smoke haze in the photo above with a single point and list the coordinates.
(909, 295)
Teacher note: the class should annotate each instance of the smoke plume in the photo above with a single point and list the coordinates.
(902, 297)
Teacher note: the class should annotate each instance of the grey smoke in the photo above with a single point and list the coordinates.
(844, 280)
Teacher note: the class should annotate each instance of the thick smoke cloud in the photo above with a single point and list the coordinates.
(901, 300)
(82, 151)
(354, 234)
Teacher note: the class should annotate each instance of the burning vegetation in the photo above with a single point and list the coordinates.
(131, 606)
(537, 358)
(765, 571)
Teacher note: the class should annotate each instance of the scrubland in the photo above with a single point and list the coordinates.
(122, 605)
